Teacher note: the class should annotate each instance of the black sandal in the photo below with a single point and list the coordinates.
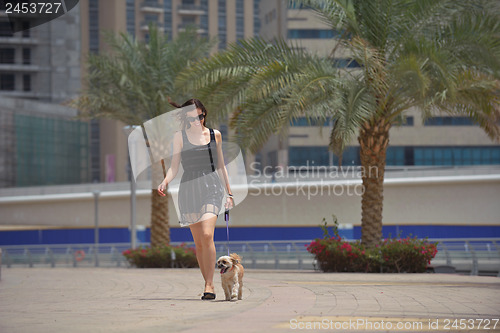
(208, 296)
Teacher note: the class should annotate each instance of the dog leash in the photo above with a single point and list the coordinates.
(226, 213)
(226, 218)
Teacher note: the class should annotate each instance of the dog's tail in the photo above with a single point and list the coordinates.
(235, 257)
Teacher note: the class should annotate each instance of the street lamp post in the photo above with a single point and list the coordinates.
(133, 227)
(96, 226)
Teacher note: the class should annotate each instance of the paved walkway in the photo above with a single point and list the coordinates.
(167, 300)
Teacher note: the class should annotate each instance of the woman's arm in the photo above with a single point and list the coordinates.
(174, 166)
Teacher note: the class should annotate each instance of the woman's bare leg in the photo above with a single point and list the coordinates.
(203, 235)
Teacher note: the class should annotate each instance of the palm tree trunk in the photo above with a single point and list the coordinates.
(373, 140)
(160, 229)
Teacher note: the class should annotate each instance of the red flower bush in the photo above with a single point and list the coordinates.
(410, 255)
(336, 255)
(333, 254)
(162, 256)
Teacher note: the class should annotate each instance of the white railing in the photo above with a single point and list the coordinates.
(474, 256)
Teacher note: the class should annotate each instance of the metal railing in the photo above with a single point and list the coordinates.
(192, 8)
(75, 255)
(474, 256)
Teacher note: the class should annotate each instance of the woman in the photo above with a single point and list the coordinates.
(200, 190)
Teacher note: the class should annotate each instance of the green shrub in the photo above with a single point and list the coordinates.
(161, 256)
(333, 254)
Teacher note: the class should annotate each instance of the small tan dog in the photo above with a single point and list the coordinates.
(231, 273)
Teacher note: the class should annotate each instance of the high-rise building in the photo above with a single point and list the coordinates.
(41, 142)
(45, 64)
(229, 20)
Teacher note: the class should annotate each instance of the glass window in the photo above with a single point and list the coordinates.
(402, 155)
(395, 156)
(437, 156)
(7, 56)
(58, 148)
(312, 33)
(204, 17)
(495, 155)
(131, 17)
(26, 56)
(467, 156)
(240, 27)
(406, 121)
(302, 121)
(448, 121)
(319, 156)
(486, 155)
(27, 82)
(476, 156)
(447, 156)
(457, 156)
(294, 5)
(345, 63)
(7, 82)
(308, 156)
(256, 17)
(26, 29)
(5, 29)
(349, 157)
(222, 24)
(94, 26)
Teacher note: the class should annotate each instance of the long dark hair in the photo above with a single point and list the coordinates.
(183, 116)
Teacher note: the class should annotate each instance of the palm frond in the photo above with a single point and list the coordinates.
(252, 66)
(133, 81)
(478, 97)
(354, 107)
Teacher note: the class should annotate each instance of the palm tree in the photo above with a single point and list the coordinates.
(434, 55)
(132, 84)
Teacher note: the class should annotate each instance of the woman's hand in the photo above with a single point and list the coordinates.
(229, 203)
(162, 188)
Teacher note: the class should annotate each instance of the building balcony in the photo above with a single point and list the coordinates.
(152, 7)
(24, 94)
(19, 40)
(21, 68)
(191, 10)
(145, 25)
(183, 26)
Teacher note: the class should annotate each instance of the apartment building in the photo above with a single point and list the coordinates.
(229, 20)
(44, 65)
(41, 142)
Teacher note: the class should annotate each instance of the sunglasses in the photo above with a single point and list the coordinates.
(191, 119)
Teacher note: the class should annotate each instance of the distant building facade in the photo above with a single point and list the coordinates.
(41, 142)
(443, 140)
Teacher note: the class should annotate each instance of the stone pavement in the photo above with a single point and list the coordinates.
(168, 300)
